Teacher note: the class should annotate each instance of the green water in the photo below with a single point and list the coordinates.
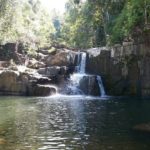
(72, 123)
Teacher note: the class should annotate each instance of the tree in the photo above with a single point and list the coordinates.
(24, 21)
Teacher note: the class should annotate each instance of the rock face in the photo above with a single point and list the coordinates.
(17, 83)
(42, 90)
(125, 69)
(50, 71)
(12, 51)
(89, 85)
(47, 67)
(64, 58)
(34, 64)
(10, 85)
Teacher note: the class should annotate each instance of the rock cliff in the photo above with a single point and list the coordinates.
(125, 68)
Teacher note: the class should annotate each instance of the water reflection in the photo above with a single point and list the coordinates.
(72, 123)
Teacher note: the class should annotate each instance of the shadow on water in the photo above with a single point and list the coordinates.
(73, 123)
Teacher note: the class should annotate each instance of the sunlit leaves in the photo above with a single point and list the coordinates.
(24, 21)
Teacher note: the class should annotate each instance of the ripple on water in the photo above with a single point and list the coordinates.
(72, 124)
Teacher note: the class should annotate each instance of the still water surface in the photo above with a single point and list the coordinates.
(72, 123)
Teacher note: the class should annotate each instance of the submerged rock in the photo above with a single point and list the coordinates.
(145, 127)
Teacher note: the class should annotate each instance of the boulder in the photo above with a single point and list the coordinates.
(53, 71)
(42, 90)
(41, 57)
(64, 58)
(33, 63)
(38, 79)
(49, 71)
(25, 84)
(10, 83)
(89, 85)
(11, 51)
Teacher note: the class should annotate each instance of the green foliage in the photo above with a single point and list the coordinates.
(25, 21)
(131, 18)
(90, 23)
(56, 37)
(102, 22)
(81, 24)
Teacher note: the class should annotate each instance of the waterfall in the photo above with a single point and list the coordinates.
(82, 63)
(81, 83)
(75, 79)
(101, 86)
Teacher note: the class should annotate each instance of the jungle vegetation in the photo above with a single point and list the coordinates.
(88, 23)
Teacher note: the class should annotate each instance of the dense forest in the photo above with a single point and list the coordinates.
(84, 24)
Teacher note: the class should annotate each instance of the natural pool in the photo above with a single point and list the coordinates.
(72, 123)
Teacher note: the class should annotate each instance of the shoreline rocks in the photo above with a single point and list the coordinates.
(124, 68)
(23, 74)
(24, 84)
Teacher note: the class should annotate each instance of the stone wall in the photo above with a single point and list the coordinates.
(125, 69)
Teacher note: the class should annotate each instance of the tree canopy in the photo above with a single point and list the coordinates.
(103, 22)
(86, 23)
(25, 21)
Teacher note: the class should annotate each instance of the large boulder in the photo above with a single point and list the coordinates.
(64, 58)
(42, 90)
(10, 83)
(49, 71)
(38, 79)
(25, 84)
(89, 85)
(99, 61)
(11, 51)
(53, 71)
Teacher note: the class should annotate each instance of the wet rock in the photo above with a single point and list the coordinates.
(42, 90)
(89, 85)
(119, 68)
(70, 70)
(17, 83)
(38, 79)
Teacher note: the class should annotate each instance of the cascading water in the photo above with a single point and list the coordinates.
(81, 83)
(76, 77)
(101, 86)
(82, 64)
